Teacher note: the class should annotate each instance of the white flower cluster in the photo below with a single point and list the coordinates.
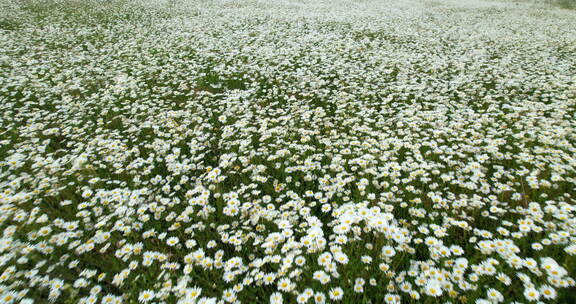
(251, 151)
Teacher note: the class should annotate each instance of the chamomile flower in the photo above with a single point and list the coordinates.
(336, 294)
(146, 296)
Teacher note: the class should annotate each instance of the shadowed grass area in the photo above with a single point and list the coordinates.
(85, 12)
(567, 4)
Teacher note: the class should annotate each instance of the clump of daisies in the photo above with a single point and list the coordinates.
(281, 152)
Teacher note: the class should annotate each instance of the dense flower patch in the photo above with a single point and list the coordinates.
(287, 152)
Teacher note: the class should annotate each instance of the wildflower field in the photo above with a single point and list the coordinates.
(290, 151)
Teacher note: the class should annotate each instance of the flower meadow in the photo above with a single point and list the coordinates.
(255, 151)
